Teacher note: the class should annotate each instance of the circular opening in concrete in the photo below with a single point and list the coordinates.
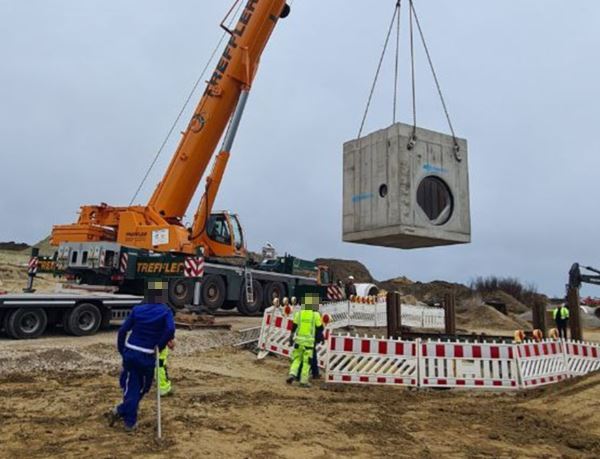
(383, 190)
(435, 199)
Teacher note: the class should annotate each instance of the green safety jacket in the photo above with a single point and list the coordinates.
(306, 323)
(564, 313)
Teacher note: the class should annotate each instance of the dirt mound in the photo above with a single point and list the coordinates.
(45, 248)
(574, 402)
(474, 315)
(12, 245)
(341, 269)
(513, 305)
(399, 282)
(430, 292)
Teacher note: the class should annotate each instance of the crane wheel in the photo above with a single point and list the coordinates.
(83, 320)
(181, 293)
(26, 323)
(5, 322)
(213, 292)
(255, 307)
(273, 290)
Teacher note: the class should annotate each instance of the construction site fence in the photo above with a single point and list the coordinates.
(353, 314)
(353, 359)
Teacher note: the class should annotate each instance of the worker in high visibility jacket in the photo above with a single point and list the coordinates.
(306, 323)
(149, 327)
(164, 382)
(561, 317)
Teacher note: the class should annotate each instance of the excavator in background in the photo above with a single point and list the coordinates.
(125, 246)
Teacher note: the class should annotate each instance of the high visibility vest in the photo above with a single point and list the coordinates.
(307, 323)
(163, 355)
(564, 313)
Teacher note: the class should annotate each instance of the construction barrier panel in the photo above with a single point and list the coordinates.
(582, 358)
(461, 364)
(435, 364)
(352, 359)
(361, 314)
(541, 363)
(275, 334)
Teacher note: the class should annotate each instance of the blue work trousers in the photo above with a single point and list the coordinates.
(136, 380)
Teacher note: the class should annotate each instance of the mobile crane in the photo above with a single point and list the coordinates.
(122, 247)
(158, 225)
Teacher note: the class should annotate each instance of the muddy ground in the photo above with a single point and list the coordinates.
(54, 391)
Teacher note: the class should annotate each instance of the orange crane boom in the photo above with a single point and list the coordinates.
(158, 225)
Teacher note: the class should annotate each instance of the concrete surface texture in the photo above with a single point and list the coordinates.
(406, 196)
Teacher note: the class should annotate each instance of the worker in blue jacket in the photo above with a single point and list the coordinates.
(149, 327)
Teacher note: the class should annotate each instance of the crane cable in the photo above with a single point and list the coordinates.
(385, 45)
(396, 20)
(186, 103)
(433, 72)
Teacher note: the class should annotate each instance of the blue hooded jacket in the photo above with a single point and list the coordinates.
(151, 325)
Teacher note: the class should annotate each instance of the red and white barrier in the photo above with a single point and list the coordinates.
(275, 334)
(541, 363)
(352, 359)
(582, 358)
(459, 364)
(364, 360)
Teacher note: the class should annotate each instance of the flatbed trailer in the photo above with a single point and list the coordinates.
(29, 315)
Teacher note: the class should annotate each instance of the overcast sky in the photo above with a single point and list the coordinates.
(88, 90)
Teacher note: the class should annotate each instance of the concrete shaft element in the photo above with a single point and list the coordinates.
(406, 196)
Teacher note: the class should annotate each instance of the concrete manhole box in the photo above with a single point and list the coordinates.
(404, 194)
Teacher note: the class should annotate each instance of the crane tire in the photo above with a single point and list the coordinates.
(251, 309)
(181, 293)
(273, 290)
(213, 292)
(5, 322)
(83, 320)
(25, 323)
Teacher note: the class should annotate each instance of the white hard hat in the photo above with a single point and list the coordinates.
(351, 277)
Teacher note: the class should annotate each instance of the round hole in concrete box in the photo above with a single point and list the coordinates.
(383, 190)
(435, 199)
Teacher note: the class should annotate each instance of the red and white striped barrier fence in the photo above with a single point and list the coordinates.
(364, 314)
(541, 363)
(352, 359)
(275, 334)
(460, 364)
(582, 358)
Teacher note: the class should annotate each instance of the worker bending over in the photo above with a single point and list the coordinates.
(149, 327)
(561, 317)
(306, 324)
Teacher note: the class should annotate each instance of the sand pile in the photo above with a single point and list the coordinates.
(473, 314)
(513, 305)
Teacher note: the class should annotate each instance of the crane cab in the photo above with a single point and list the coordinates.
(224, 236)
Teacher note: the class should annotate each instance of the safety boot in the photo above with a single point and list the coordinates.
(112, 417)
(290, 379)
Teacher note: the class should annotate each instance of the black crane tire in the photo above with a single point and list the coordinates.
(213, 293)
(273, 290)
(25, 323)
(5, 322)
(84, 320)
(181, 293)
(251, 308)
